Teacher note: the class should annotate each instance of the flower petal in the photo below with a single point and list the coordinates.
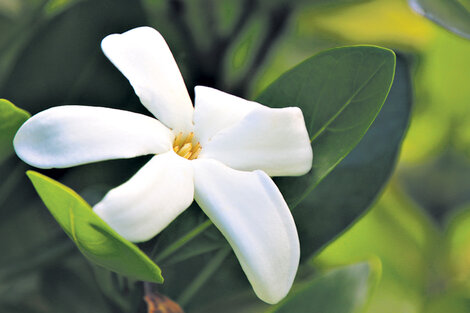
(216, 110)
(273, 140)
(144, 205)
(143, 56)
(72, 135)
(251, 213)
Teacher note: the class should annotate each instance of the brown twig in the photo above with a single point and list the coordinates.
(158, 303)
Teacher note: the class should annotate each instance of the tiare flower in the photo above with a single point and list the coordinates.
(221, 152)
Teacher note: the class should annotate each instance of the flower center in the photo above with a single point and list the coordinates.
(184, 146)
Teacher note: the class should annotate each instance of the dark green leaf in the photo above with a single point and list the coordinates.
(343, 290)
(452, 14)
(11, 118)
(93, 237)
(355, 183)
(340, 92)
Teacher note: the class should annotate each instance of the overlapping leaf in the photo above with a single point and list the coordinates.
(355, 183)
(340, 92)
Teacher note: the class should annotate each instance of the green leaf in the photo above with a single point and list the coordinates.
(360, 177)
(11, 118)
(340, 92)
(451, 14)
(343, 290)
(93, 237)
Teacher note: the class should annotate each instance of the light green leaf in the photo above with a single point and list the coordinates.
(11, 118)
(340, 92)
(342, 290)
(93, 237)
(451, 14)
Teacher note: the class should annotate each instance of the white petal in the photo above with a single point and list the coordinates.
(71, 135)
(216, 110)
(144, 205)
(251, 213)
(143, 56)
(273, 140)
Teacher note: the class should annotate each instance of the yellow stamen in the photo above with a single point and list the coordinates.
(190, 137)
(184, 146)
(185, 149)
(178, 140)
(195, 153)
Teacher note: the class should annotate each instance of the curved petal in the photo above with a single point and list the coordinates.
(72, 135)
(216, 110)
(251, 213)
(275, 141)
(143, 56)
(144, 205)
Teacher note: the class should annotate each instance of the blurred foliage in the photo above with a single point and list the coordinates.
(425, 268)
(342, 290)
(452, 14)
(50, 55)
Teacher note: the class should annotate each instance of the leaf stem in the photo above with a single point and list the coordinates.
(182, 241)
(203, 276)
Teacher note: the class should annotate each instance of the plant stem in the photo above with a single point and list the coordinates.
(147, 288)
(203, 276)
(277, 21)
(182, 241)
(12, 180)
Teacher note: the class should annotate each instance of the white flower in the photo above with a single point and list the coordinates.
(219, 153)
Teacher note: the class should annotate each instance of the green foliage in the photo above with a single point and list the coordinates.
(340, 92)
(58, 60)
(452, 14)
(93, 237)
(11, 118)
(342, 290)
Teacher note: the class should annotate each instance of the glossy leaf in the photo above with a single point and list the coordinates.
(451, 14)
(340, 92)
(343, 290)
(11, 118)
(93, 237)
(360, 177)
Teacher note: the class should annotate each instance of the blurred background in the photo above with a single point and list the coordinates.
(419, 227)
